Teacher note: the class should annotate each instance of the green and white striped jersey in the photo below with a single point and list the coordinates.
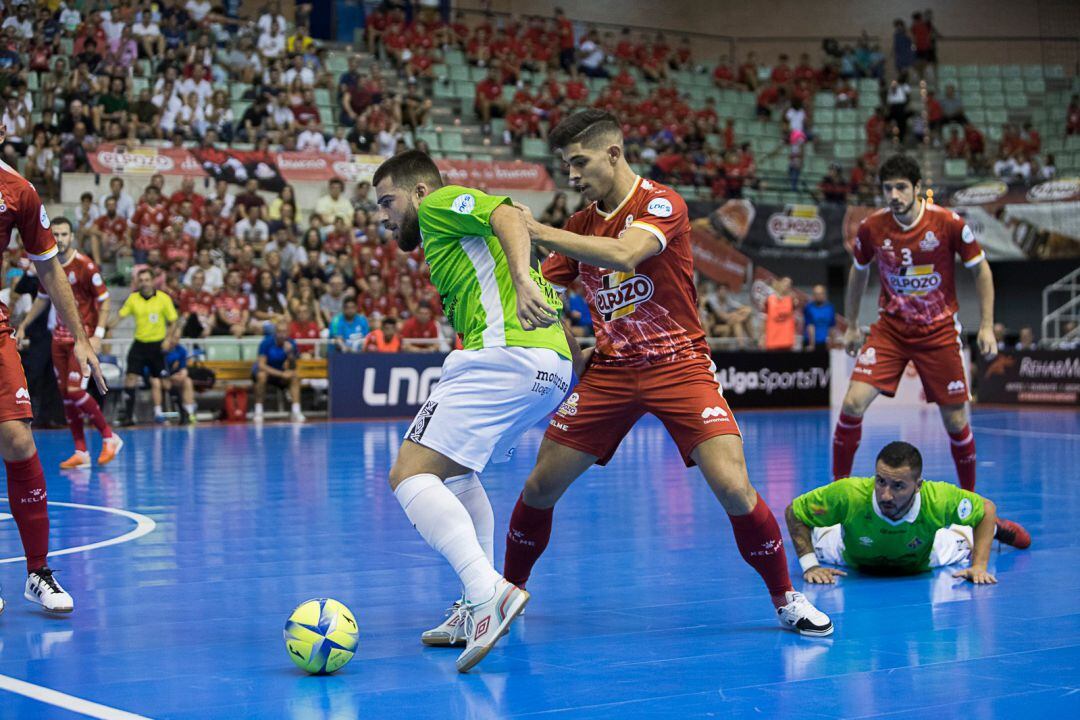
(470, 271)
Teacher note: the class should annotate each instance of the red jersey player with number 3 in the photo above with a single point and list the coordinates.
(915, 244)
(21, 209)
(92, 299)
(631, 250)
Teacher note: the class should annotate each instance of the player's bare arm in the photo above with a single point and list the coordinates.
(802, 539)
(509, 227)
(52, 277)
(980, 553)
(102, 326)
(623, 253)
(984, 290)
(856, 286)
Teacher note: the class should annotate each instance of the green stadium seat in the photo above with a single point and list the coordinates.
(868, 101)
(846, 133)
(997, 115)
(476, 74)
(968, 71)
(824, 100)
(429, 136)
(1016, 101)
(1032, 72)
(994, 133)
(867, 85)
(824, 117)
(1011, 71)
(1035, 86)
(946, 72)
(239, 107)
(1014, 85)
(1072, 143)
(970, 85)
(846, 116)
(228, 351)
(322, 98)
(825, 133)
(444, 91)
(989, 71)
(956, 168)
(498, 125)
(1057, 72)
(534, 149)
(465, 90)
(976, 116)
(457, 156)
(845, 151)
(459, 72)
(451, 142)
(993, 86)
(455, 57)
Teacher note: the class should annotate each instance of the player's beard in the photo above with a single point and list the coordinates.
(409, 231)
(905, 211)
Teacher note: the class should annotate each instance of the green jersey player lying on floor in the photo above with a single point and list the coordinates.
(896, 523)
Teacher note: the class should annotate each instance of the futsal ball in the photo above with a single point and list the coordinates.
(321, 636)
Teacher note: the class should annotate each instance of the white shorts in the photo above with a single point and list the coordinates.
(486, 399)
(951, 545)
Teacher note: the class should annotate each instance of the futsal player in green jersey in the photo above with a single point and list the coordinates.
(897, 523)
(513, 372)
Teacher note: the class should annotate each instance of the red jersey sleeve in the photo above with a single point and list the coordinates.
(559, 270)
(97, 284)
(964, 241)
(664, 216)
(33, 223)
(864, 246)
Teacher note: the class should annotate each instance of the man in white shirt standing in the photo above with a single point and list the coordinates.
(272, 44)
(252, 228)
(197, 84)
(125, 205)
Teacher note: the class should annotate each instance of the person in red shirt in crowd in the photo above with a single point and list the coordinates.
(187, 192)
(846, 95)
(522, 122)
(459, 31)
(935, 116)
(623, 80)
(875, 128)
(771, 96)
(396, 44)
(956, 147)
(489, 99)
(707, 117)
(422, 65)
(538, 55)
(802, 91)
(729, 134)
(975, 144)
(804, 71)
(1072, 116)
(375, 300)
(421, 326)
(723, 75)
(683, 57)
(385, 339)
(858, 183)
(478, 50)
(566, 40)
(196, 306)
(781, 73)
(1032, 141)
(833, 188)
(110, 234)
(922, 35)
(231, 307)
(627, 50)
(375, 23)
(338, 239)
(306, 112)
(304, 330)
(651, 62)
(149, 220)
(177, 247)
(577, 93)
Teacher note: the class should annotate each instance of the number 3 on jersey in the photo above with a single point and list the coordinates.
(906, 257)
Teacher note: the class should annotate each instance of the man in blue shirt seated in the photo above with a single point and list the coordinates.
(348, 328)
(818, 317)
(277, 366)
(179, 383)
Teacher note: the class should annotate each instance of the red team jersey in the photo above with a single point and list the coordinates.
(647, 316)
(200, 304)
(89, 291)
(232, 306)
(917, 264)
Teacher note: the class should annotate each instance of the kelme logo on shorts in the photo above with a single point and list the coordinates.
(620, 293)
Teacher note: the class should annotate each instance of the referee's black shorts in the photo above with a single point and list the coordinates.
(146, 359)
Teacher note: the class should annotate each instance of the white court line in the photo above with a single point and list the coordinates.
(143, 525)
(65, 701)
(1025, 433)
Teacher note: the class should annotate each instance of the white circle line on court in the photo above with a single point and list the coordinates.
(1024, 433)
(143, 526)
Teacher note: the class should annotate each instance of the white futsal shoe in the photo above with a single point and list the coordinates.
(42, 588)
(1, 600)
(450, 632)
(802, 617)
(486, 622)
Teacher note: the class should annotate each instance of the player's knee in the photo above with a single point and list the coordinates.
(542, 490)
(16, 441)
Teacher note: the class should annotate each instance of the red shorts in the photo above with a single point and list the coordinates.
(609, 400)
(66, 367)
(14, 397)
(936, 356)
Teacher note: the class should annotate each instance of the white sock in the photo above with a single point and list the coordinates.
(296, 408)
(157, 410)
(258, 408)
(444, 523)
(468, 490)
(191, 409)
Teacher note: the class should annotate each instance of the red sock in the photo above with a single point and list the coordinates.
(75, 424)
(844, 444)
(762, 547)
(86, 404)
(526, 540)
(29, 507)
(962, 444)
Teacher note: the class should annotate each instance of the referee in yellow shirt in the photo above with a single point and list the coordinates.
(155, 321)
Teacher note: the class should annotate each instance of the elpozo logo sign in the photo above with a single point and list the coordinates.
(796, 226)
(981, 193)
(1055, 190)
(140, 160)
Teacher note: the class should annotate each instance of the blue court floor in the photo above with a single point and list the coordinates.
(642, 607)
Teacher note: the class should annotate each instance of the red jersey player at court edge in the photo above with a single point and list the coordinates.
(915, 244)
(92, 300)
(631, 250)
(21, 209)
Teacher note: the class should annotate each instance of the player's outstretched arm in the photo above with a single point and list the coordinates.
(623, 254)
(980, 554)
(533, 311)
(52, 277)
(856, 286)
(803, 540)
(984, 289)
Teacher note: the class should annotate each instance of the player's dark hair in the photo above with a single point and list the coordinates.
(407, 169)
(900, 454)
(62, 221)
(900, 166)
(585, 127)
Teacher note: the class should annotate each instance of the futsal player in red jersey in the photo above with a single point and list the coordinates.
(631, 251)
(92, 300)
(21, 209)
(915, 244)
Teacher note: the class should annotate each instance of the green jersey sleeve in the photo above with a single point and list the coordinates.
(828, 504)
(460, 212)
(955, 506)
